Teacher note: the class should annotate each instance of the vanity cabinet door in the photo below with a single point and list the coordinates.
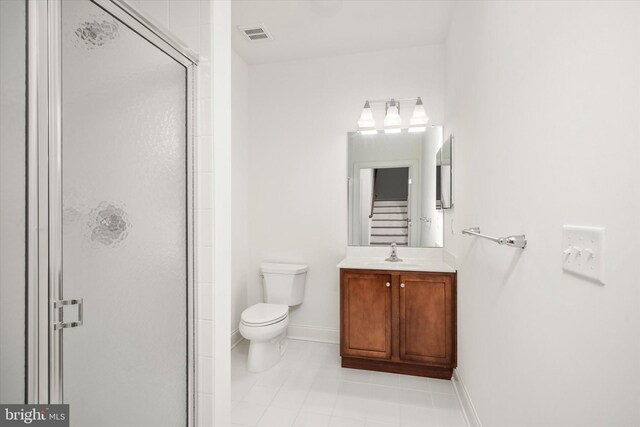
(365, 309)
(427, 310)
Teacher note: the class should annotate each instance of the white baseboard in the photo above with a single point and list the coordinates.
(469, 411)
(236, 338)
(313, 333)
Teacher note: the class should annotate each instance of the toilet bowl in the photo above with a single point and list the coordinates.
(265, 324)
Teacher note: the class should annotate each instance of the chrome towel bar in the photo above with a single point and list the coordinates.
(519, 241)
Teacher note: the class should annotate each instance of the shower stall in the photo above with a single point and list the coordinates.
(96, 220)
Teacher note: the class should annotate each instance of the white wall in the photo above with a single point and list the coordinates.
(300, 114)
(543, 99)
(239, 190)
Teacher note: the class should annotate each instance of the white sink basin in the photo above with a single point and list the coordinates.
(388, 265)
(410, 264)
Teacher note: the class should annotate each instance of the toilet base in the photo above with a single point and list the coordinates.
(264, 355)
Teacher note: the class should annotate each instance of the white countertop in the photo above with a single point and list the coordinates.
(407, 264)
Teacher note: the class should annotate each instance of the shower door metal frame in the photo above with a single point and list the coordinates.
(44, 176)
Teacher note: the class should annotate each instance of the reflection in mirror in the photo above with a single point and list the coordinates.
(445, 175)
(393, 189)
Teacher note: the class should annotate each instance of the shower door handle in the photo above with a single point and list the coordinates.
(59, 306)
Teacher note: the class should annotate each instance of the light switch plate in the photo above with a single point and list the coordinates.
(583, 251)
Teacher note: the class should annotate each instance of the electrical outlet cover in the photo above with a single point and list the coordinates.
(583, 251)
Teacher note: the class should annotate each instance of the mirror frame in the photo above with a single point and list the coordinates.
(451, 141)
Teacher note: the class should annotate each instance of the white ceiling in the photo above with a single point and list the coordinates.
(314, 28)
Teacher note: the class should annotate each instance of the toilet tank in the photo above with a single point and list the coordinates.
(283, 283)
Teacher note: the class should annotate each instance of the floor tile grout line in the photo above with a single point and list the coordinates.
(333, 385)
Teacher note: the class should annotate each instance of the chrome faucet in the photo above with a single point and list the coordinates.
(394, 255)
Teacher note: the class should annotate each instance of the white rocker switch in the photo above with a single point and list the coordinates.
(583, 251)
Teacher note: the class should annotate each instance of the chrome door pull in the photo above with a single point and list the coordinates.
(59, 305)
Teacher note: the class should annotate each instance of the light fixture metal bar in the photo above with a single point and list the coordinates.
(383, 101)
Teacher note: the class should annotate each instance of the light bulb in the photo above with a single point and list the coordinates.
(392, 130)
(392, 117)
(366, 118)
(417, 129)
(419, 116)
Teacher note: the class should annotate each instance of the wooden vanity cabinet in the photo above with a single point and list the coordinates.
(366, 315)
(398, 321)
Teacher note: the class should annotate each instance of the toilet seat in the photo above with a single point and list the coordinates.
(263, 314)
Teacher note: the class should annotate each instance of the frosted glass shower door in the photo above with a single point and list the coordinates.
(125, 221)
(13, 203)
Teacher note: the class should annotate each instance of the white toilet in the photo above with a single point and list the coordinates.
(265, 324)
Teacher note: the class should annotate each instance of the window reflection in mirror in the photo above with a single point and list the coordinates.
(394, 194)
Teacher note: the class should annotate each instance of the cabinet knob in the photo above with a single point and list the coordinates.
(402, 285)
(388, 285)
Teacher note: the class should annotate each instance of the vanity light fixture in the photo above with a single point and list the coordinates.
(392, 119)
(366, 123)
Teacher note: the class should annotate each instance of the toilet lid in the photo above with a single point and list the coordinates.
(263, 314)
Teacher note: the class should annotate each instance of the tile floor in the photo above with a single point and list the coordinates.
(309, 388)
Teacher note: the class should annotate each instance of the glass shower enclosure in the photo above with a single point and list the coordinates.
(96, 306)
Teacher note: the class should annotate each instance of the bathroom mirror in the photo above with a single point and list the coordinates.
(445, 174)
(394, 184)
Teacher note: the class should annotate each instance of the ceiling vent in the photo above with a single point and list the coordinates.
(255, 32)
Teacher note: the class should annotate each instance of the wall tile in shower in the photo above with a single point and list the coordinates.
(189, 35)
(204, 154)
(205, 338)
(184, 13)
(204, 190)
(158, 9)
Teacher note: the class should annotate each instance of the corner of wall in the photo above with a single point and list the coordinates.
(468, 410)
(220, 18)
